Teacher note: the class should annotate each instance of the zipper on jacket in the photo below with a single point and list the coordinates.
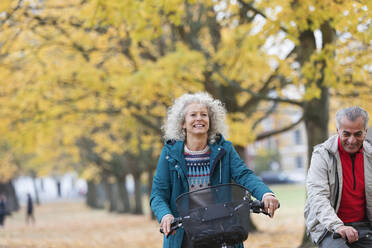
(220, 172)
(353, 162)
(179, 176)
(218, 158)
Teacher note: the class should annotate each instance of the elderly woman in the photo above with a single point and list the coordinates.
(196, 155)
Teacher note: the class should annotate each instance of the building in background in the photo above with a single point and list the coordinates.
(285, 152)
(291, 147)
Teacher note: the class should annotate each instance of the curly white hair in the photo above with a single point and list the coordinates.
(176, 116)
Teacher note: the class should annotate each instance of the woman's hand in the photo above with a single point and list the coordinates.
(165, 224)
(270, 203)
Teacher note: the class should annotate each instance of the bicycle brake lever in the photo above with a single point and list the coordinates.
(161, 230)
(266, 213)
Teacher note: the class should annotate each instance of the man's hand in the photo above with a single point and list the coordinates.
(270, 203)
(348, 232)
(165, 224)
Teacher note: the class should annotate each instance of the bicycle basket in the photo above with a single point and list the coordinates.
(215, 215)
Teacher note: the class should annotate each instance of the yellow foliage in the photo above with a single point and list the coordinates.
(75, 69)
(6, 6)
(240, 129)
(8, 168)
(312, 91)
(91, 172)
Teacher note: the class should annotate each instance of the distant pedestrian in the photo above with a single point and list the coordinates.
(3, 210)
(30, 209)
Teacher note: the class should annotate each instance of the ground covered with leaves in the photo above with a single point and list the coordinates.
(72, 224)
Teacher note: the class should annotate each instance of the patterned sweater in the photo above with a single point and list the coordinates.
(198, 168)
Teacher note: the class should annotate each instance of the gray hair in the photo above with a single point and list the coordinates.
(176, 116)
(352, 114)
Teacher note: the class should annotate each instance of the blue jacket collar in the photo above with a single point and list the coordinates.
(176, 150)
(176, 147)
(217, 152)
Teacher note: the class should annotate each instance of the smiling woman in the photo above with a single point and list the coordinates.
(174, 125)
(195, 156)
(196, 124)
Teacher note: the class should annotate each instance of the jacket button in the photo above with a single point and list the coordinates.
(166, 157)
(219, 148)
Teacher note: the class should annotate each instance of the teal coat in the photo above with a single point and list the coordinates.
(170, 179)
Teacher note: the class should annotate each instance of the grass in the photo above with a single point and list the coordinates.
(286, 229)
(290, 195)
(71, 224)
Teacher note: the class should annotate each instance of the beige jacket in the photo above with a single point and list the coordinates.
(324, 187)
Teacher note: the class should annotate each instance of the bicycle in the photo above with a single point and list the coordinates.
(216, 216)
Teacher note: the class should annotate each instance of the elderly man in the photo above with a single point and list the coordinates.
(339, 184)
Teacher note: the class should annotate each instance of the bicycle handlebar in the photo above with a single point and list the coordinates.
(336, 235)
(361, 236)
(175, 224)
(257, 207)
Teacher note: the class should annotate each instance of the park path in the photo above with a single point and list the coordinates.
(72, 225)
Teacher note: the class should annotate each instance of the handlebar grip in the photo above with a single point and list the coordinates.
(262, 205)
(336, 235)
(161, 231)
(175, 224)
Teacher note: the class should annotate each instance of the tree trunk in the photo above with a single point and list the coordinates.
(42, 185)
(316, 111)
(92, 197)
(123, 193)
(241, 151)
(137, 194)
(8, 190)
(37, 198)
(316, 121)
(110, 193)
(91, 194)
(150, 173)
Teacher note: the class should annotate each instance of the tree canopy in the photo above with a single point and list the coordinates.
(108, 70)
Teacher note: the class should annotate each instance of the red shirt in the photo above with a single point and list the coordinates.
(353, 198)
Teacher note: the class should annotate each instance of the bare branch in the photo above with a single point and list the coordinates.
(281, 100)
(267, 114)
(267, 134)
(11, 13)
(148, 123)
(249, 6)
